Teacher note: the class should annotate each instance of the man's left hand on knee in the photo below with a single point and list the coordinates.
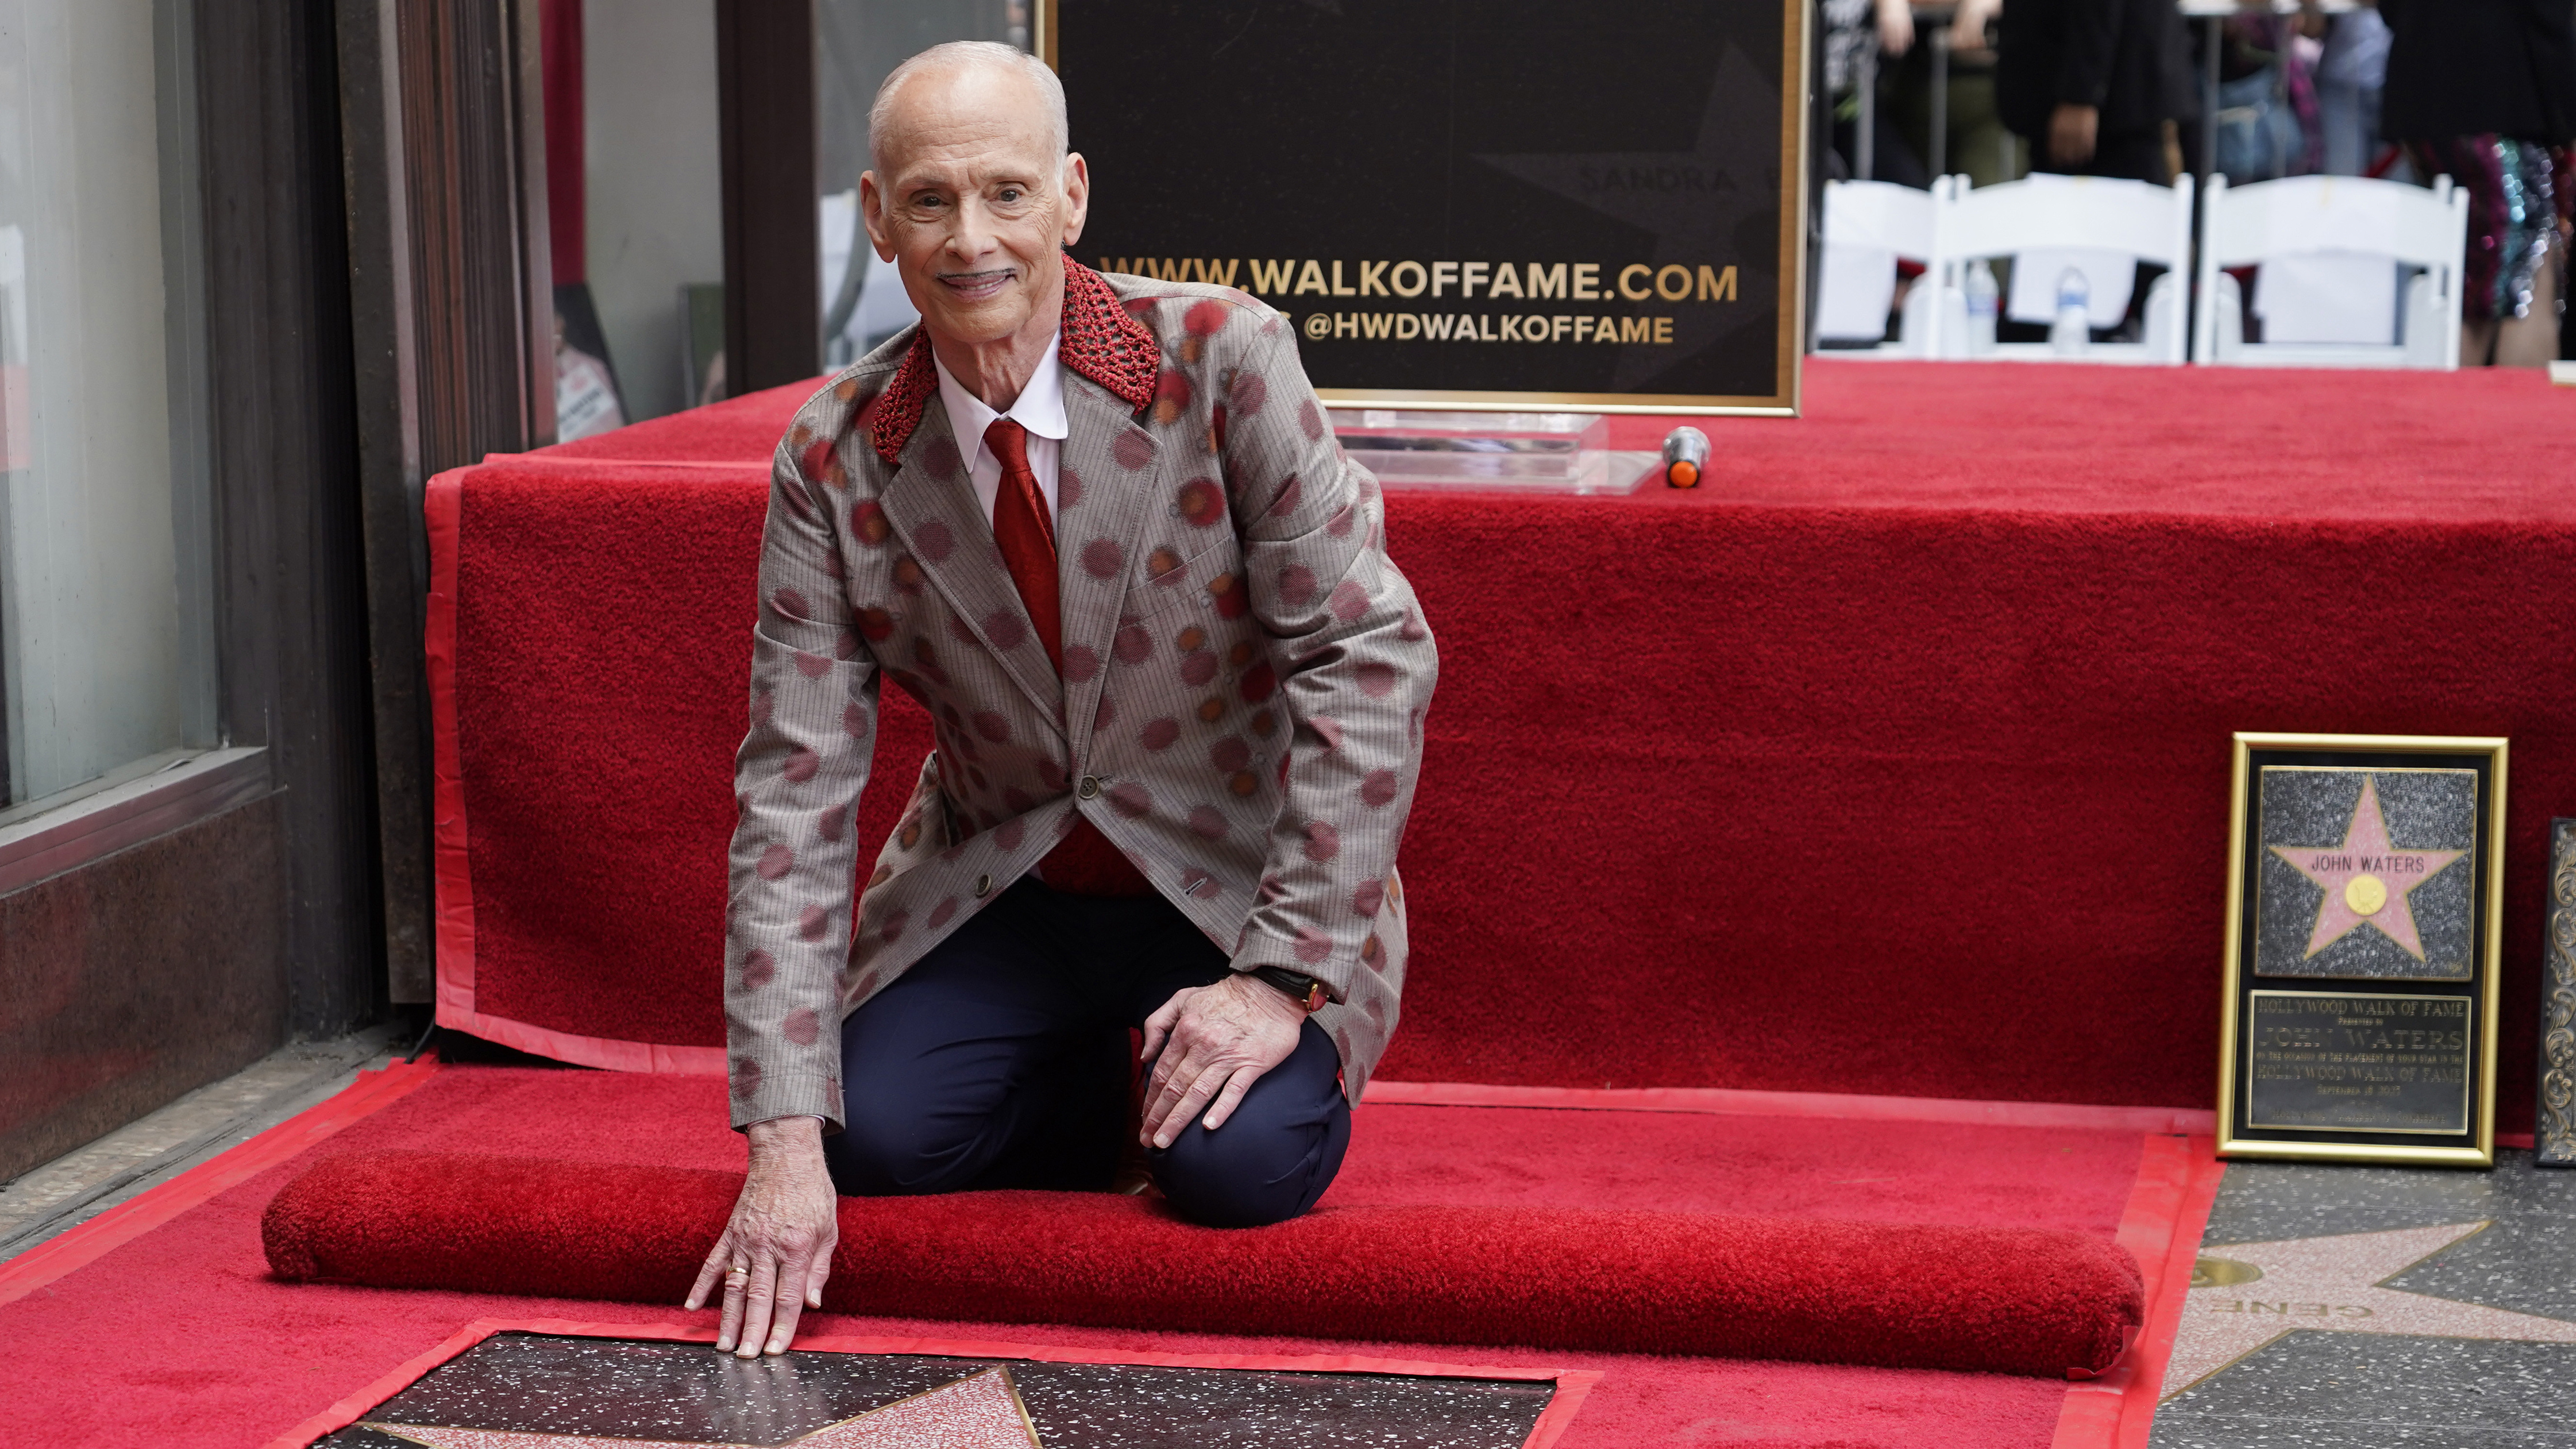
(1209, 1044)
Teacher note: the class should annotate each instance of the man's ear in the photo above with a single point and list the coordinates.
(1077, 195)
(872, 212)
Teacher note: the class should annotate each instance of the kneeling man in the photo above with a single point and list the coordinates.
(1097, 526)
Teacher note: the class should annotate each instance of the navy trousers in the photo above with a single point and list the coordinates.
(1000, 1060)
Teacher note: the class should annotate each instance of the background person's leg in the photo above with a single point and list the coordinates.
(982, 1066)
(2531, 340)
(2131, 156)
(1274, 1156)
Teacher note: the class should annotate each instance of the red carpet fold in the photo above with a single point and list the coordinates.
(2011, 1300)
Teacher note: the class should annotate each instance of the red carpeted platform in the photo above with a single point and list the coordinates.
(166, 1328)
(1891, 760)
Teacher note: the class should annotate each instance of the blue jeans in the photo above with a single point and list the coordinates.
(1000, 1060)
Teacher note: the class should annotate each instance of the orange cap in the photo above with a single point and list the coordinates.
(1682, 474)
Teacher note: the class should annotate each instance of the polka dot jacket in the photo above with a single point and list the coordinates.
(1240, 711)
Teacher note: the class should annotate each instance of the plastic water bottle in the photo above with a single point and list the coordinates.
(2072, 332)
(1983, 299)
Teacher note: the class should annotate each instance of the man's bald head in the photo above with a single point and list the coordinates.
(973, 66)
(973, 198)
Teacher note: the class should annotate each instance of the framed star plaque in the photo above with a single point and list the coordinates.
(1513, 205)
(2365, 891)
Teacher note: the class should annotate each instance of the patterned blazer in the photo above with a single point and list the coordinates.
(1240, 712)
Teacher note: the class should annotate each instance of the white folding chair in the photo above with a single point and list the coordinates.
(2050, 224)
(1869, 225)
(2334, 243)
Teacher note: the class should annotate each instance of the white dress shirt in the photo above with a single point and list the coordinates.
(1039, 408)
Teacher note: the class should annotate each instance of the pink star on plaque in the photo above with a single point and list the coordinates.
(980, 1411)
(2366, 880)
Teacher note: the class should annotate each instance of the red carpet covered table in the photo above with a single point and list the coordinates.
(1891, 760)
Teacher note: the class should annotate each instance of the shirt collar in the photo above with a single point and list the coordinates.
(1039, 407)
(1109, 347)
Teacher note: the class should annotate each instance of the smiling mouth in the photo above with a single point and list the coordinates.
(977, 286)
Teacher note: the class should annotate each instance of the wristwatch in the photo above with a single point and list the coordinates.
(1301, 988)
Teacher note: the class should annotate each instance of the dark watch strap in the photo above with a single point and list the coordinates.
(1301, 988)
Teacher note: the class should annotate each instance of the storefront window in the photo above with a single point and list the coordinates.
(106, 663)
(639, 242)
(857, 44)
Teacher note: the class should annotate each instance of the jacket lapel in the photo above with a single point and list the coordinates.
(1097, 538)
(932, 506)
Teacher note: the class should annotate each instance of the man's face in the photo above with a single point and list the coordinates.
(973, 205)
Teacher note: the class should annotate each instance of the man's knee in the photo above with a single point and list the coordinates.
(899, 1153)
(926, 1065)
(1274, 1157)
(927, 1125)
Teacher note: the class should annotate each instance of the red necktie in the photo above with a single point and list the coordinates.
(1026, 534)
(1084, 863)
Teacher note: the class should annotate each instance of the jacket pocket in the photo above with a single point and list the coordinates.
(1194, 580)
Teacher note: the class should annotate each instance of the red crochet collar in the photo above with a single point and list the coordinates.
(1101, 340)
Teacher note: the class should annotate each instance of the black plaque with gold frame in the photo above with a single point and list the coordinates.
(2365, 894)
(1480, 205)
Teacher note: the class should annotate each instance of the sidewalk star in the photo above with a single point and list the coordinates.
(2245, 1295)
(980, 1411)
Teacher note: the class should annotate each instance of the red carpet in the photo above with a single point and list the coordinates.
(1998, 1300)
(1891, 760)
(181, 1338)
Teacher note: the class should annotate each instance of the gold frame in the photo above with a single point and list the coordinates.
(2488, 958)
(1789, 359)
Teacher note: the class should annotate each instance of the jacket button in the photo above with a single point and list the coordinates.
(1089, 787)
(983, 886)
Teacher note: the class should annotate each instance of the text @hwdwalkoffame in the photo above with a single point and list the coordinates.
(1429, 284)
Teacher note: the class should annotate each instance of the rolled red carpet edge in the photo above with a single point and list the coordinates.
(2009, 1300)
